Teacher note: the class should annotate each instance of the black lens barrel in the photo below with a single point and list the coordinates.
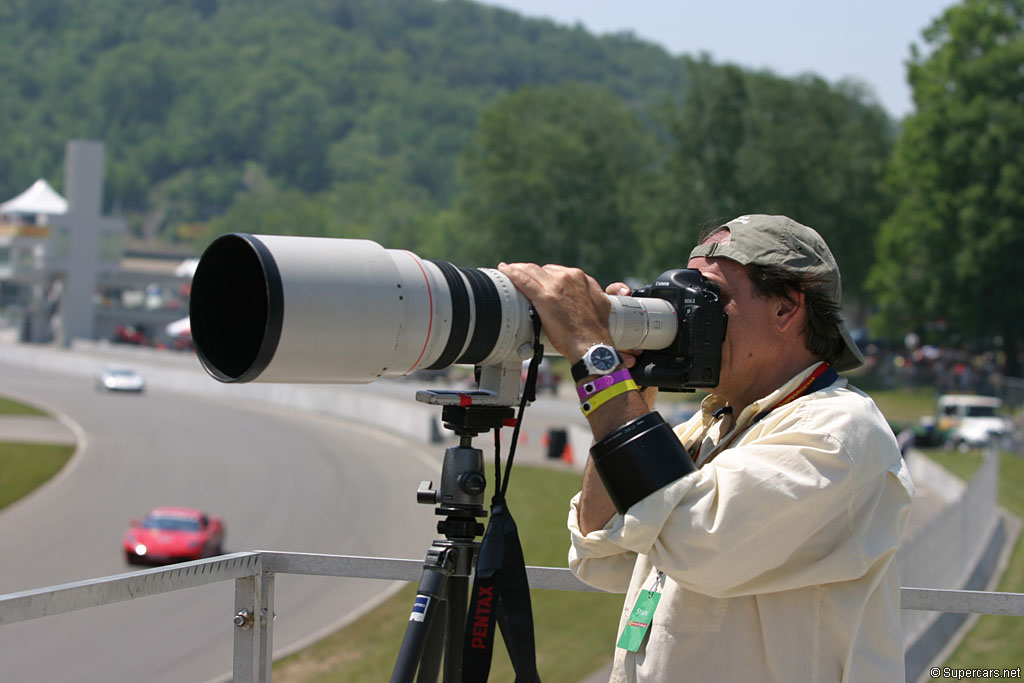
(487, 327)
(485, 315)
(460, 315)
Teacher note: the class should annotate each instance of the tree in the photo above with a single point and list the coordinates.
(950, 250)
(550, 178)
(268, 209)
(752, 142)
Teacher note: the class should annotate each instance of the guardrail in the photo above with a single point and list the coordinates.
(253, 574)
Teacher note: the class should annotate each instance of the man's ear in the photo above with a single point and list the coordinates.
(789, 310)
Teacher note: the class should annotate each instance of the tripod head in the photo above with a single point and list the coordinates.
(460, 496)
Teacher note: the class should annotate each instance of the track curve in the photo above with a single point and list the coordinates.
(282, 479)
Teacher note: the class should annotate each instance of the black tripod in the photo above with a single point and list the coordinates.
(438, 618)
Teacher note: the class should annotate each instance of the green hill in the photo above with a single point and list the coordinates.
(200, 101)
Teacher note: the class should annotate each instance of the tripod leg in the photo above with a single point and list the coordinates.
(422, 627)
(458, 604)
(430, 659)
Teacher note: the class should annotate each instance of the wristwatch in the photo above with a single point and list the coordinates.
(600, 359)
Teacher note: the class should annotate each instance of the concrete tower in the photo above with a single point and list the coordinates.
(94, 243)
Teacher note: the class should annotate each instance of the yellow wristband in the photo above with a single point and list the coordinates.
(598, 399)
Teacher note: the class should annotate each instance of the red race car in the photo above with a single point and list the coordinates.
(173, 534)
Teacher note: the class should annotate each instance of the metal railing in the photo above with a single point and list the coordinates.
(253, 574)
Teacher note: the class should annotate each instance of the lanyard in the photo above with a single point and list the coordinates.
(823, 376)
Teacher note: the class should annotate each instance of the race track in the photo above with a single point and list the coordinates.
(282, 479)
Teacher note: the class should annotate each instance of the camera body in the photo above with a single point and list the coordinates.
(694, 358)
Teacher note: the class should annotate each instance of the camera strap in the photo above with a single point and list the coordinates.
(500, 598)
(501, 592)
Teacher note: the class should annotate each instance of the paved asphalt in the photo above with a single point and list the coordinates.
(283, 480)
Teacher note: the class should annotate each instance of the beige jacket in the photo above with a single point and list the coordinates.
(777, 551)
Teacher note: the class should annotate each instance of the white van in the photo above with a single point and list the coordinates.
(970, 421)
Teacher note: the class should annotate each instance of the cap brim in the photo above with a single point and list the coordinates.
(851, 357)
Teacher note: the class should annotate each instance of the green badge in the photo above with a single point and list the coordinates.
(639, 621)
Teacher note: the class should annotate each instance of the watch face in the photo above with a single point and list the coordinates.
(603, 359)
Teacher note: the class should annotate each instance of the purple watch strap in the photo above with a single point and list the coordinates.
(587, 390)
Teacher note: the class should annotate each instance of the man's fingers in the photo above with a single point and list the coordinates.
(520, 272)
(551, 280)
(618, 289)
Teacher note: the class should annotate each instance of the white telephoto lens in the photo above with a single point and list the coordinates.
(272, 308)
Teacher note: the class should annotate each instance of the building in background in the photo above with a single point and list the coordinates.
(63, 271)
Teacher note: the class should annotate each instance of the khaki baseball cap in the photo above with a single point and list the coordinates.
(780, 241)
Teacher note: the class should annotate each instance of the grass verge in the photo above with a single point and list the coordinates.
(9, 407)
(903, 407)
(575, 632)
(995, 641)
(26, 466)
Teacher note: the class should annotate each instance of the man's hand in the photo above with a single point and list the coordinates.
(573, 310)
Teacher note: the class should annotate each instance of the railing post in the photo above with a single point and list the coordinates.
(267, 616)
(254, 628)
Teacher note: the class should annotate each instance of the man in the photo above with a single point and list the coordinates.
(771, 559)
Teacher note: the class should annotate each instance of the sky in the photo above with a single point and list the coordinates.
(867, 40)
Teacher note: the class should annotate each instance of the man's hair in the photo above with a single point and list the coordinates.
(821, 330)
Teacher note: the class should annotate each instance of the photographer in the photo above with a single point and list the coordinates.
(772, 558)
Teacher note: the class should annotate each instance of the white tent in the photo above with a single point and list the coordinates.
(40, 198)
(187, 268)
(179, 327)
